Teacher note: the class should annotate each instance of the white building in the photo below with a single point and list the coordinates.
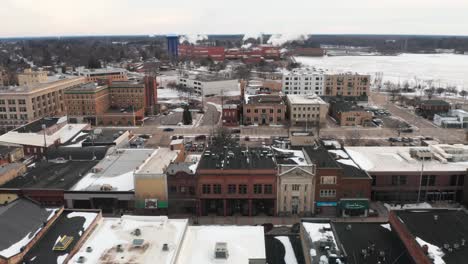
(209, 84)
(304, 81)
(309, 110)
(456, 118)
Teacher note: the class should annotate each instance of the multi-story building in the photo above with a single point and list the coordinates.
(347, 84)
(208, 84)
(231, 113)
(23, 104)
(303, 82)
(112, 74)
(29, 77)
(121, 102)
(349, 113)
(295, 183)
(428, 108)
(236, 181)
(264, 110)
(199, 52)
(308, 110)
(400, 174)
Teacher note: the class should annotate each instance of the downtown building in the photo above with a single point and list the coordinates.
(22, 104)
(303, 82)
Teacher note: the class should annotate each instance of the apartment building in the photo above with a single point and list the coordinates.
(303, 82)
(121, 102)
(113, 74)
(264, 110)
(307, 110)
(22, 104)
(29, 77)
(347, 84)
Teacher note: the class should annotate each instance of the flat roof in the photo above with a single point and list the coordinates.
(155, 232)
(383, 159)
(50, 175)
(69, 223)
(305, 99)
(85, 87)
(237, 158)
(265, 99)
(351, 169)
(51, 81)
(65, 134)
(20, 221)
(158, 161)
(354, 237)
(116, 170)
(321, 157)
(36, 126)
(450, 228)
(243, 243)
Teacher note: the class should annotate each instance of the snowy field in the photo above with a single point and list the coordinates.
(449, 69)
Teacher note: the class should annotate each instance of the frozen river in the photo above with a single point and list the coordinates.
(448, 69)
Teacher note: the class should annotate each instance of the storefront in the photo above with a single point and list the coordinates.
(354, 207)
(326, 208)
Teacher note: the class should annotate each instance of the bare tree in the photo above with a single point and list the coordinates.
(353, 137)
(440, 90)
(429, 92)
(463, 93)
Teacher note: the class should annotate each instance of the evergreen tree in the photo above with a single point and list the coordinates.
(187, 116)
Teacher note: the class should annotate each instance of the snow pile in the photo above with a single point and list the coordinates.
(298, 155)
(407, 206)
(247, 46)
(16, 247)
(435, 253)
(193, 39)
(281, 39)
(89, 217)
(387, 226)
(61, 258)
(340, 153)
(289, 256)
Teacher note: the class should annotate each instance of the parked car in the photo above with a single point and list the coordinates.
(145, 136)
(168, 129)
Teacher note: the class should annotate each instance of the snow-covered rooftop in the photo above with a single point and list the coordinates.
(65, 133)
(116, 170)
(155, 231)
(243, 243)
(381, 159)
(305, 99)
(158, 161)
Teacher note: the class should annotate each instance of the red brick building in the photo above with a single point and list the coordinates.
(236, 181)
(199, 52)
(231, 114)
(182, 186)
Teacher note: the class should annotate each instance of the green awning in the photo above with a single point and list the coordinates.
(354, 204)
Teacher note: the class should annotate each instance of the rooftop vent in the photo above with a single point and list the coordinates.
(436, 217)
(136, 232)
(221, 251)
(119, 248)
(165, 247)
(89, 249)
(349, 227)
(81, 259)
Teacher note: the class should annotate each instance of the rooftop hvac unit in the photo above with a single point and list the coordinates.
(221, 251)
(81, 259)
(165, 247)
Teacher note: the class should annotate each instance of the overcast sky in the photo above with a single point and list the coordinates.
(108, 17)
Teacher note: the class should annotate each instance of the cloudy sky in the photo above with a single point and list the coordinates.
(104, 17)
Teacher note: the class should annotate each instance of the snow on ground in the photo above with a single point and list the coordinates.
(289, 256)
(218, 107)
(195, 159)
(168, 93)
(387, 226)
(79, 135)
(61, 258)
(435, 253)
(89, 217)
(407, 206)
(232, 93)
(441, 68)
(122, 182)
(360, 159)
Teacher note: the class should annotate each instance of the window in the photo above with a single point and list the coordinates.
(248, 110)
(21, 101)
(11, 101)
(328, 180)
(279, 111)
(22, 109)
(217, 188)
(398, 180)
(461, 180)
(271, 111)
(206, 188)
(263, 111)
(242, 188)
(327, 193)
(3, 101)
(453, 180)
(295, 187)
(268, 188)
(12, 109)
(428, 180)
(256, 111)
(257, 188)
(172, 189)
(231, 188)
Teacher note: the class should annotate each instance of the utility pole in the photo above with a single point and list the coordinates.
(420, 180)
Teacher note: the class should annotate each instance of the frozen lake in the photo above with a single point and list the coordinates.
(448, 69)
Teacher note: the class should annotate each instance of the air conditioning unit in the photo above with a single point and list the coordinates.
(221, 250)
